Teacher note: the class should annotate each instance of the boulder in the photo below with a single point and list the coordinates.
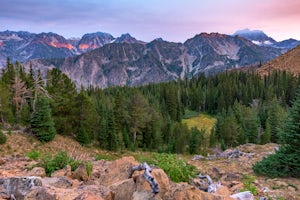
(247, 195)
(37, 171)
(66, 171)
(124, 189)
(40, 193)
(97, 190)
(110, 172)
(145, 195)
(80, 173)
(161, 178)
(58, 182)
(222, 190)
(19, 187)
(236, 186)
(183, 191)
(88, 196)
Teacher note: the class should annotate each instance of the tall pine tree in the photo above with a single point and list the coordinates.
(42, 124)
(286, 161)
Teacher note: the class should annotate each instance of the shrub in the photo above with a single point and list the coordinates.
(2, 137)
(248, 184)
(177, 169)
(285, 161)
(34, 154)
(59, 161)
(88, 167)
(272, 166)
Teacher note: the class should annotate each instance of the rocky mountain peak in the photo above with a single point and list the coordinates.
(256, 36)
(213, 35)
(52, 39)
(127, 38)
(92, 41)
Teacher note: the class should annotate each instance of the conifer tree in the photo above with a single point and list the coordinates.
(252, 127)
(6, 114)
(112, 136)
(138, 115)
(42, 124)
(266, 136)
(212, 138)
(276, 117)
(82, 137)
(196, 142)
(2, 137)
(63, 93)
(286, 161)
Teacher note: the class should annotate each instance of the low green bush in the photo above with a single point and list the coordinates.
(59, 161)
(88, 167)
(177, 169)
(272, 166)
(248, 184)
(2, 137)
(34, 154)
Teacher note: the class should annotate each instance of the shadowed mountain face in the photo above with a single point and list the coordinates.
(24, 46)
(217, 52)
(133, 62)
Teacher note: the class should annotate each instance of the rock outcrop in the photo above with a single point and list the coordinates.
(109, 180)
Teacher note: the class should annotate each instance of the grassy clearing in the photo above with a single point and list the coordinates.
(201, 121)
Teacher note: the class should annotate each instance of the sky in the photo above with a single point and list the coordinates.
(172, 20)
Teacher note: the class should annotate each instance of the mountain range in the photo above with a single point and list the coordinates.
(101, 60)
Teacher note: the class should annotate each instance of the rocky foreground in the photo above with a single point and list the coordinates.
(109, 180)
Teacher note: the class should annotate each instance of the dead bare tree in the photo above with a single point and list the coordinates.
(38, 89)
(212, 188)
(20, 93)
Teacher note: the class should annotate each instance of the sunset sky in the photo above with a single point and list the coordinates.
(173, 20)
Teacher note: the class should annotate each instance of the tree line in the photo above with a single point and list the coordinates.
(249, 108)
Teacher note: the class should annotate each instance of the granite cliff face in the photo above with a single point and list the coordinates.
(122, 64)
(217, 52)
(133, 62)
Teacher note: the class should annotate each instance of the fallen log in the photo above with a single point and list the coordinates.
(147, 174)
(212, 188)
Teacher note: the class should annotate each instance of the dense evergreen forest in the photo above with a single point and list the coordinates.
(248, 108)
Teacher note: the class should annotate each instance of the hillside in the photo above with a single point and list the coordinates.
(289, 61)
(113, 182)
